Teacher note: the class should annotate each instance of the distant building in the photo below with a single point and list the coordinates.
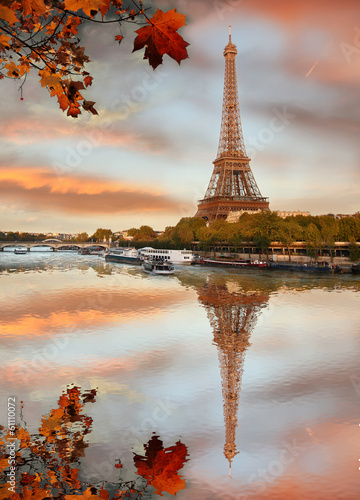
(343, 216)
(62, 236)
(284, 214)
(234, 216)
(122, 234)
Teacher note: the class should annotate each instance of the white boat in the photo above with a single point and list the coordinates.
(13, 248)
(173, 256)
(158, 267)
(41, 248)
(124, 255)
(20, 251)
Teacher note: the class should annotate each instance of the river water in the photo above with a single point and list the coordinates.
(254, 371)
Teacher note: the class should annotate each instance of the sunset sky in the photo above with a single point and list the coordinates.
(147, 158)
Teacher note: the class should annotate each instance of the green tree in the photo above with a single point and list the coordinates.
(289, 232)
(102, 234)
(266, 226)
(262, 242)
(349, 227)
(267, 223)
(246, 226)
(207, 238)
(313, 241)
(146, 233)
(11, 236)
(132, 231)
(82, 237)
(186, 231)
(354, 252)
(183, 236)
(220, 230)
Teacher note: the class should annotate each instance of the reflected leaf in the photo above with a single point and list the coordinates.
(48, 463)
(160, 465)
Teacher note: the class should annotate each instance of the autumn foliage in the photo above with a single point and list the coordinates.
(160, 466)
(48, 463)
(43, 35)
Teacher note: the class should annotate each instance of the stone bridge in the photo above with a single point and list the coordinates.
(55, 244)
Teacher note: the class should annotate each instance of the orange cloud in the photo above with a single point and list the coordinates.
(41, 189)
(82, 309)
(292, 12)
(21, 131)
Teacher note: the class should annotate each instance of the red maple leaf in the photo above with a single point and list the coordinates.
(161, 37)
(89, 106)
(160, 465)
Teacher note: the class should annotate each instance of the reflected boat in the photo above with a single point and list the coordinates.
(355, 268)
(257, 264)
(95, 250)
(320, 267)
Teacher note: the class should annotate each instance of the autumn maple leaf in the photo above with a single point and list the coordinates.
(161, 37)
(89, 7)
(160, 465)
(50, 80)
(34, 6)
(7, 14)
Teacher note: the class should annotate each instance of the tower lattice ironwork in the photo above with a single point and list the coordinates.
(232, 185)
(232, 315)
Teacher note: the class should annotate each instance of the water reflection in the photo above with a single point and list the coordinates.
(142, 340)
(48, 464)
(232, 314)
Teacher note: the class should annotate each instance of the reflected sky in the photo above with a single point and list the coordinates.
(147, 344)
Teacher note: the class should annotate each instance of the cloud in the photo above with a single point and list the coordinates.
(80, 310)
(323, 13)
(41, 189)
(107, 130)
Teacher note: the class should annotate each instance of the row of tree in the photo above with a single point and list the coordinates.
(257, 230)
(16, 236)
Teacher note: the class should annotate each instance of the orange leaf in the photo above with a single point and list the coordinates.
(63, 101)
(34, 6)
(104, 7)
(51, 80)
(161, 37)
(119, 38)
(7, 15)
(74, 110)
(89, 7)
(88, 80)
(88, 106)
(52, 423)
(160, 466)
(13, 70)
(4, 42)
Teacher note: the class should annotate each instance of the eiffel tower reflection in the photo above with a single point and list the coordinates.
(233, 313)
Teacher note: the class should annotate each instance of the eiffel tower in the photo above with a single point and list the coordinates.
(232, 186)
(232, 314)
